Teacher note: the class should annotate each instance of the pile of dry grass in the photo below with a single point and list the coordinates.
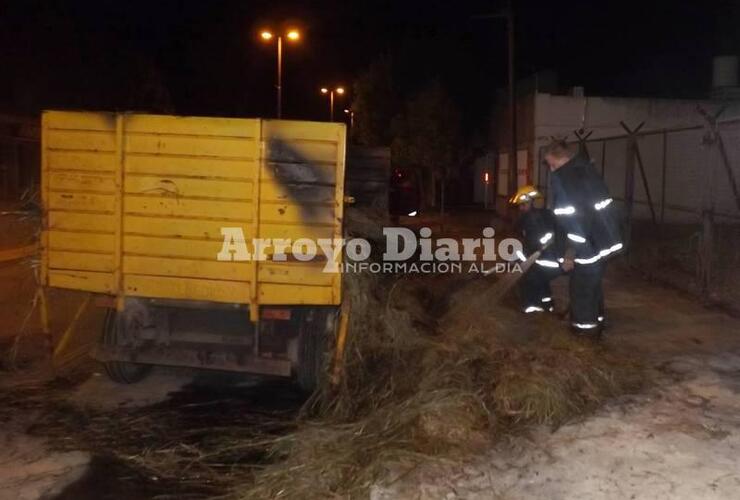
(423, 377)
(434, 367)
(426, 378)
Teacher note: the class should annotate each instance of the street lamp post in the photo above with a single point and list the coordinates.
(351, 117)
(330, 93)
(293, 35)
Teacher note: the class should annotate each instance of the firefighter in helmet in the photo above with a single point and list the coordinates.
(538, 230)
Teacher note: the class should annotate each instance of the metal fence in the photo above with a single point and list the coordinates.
(679, 197)
(19, 155)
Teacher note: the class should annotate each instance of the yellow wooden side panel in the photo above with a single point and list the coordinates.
(100, 262)
(80, 161)
(205, 250)
(60, 181)
(183, 228)
(164, 205)
(186, 178)
(301, 196)
(186, 268)
(186, 288)
(86, 281)
(81, 221)
(291, 273)
(78, 188)
(196, 126)
(135, 204)
(213, 167)
(276, 294)
(184, 187)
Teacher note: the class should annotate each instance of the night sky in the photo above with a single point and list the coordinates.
(205, 57)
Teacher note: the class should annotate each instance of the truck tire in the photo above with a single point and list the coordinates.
(120, 371)
(317, 327)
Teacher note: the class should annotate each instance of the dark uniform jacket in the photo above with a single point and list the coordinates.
(538, 228)
(585, 211)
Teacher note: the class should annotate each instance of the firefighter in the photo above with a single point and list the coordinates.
(587, 217)
(537, 226)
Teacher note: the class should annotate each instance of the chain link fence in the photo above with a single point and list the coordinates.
(678, 193)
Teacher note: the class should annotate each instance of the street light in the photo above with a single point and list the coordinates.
(331, 92)
(292, 35)
(351, 117)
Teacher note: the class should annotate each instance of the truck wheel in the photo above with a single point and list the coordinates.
(313, 346)
(120, 371)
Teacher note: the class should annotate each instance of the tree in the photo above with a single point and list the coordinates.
(427, 136)
(374, 105)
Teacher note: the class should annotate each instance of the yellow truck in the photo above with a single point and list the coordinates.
(135, 208)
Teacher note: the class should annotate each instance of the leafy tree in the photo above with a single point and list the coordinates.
(375, 103)
(427, 135)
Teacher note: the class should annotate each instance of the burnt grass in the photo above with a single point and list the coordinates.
(178, 448)
(430, 361)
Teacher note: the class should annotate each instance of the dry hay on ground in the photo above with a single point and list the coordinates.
(434, 367)
(199, 449)
(419, 381)
(424, 377)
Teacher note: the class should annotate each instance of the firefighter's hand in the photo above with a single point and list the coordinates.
(567, 265)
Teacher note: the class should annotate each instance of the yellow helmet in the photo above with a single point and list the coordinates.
(525, 194)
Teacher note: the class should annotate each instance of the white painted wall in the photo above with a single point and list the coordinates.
(694, 177)
(561, 115)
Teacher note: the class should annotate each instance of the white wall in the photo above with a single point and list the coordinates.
(561, 115)
(694, 175)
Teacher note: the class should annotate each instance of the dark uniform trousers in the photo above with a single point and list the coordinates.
(586, 295)
(535, 287)
(539, 230)
(587, 214)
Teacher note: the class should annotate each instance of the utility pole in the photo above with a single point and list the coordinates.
(330, 93)
(351, 118)
(513, 146)
(280, 77)
(508, 15)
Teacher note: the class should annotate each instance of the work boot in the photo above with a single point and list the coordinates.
(533, 309)
(588, 332)
(602, 324)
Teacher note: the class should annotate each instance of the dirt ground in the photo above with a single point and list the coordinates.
(680, 439)
(31, 468)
